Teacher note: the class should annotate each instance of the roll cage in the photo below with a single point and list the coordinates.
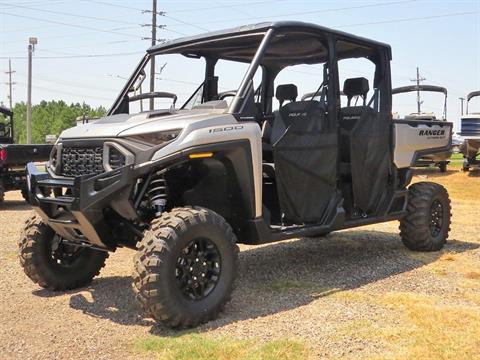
(272, 47)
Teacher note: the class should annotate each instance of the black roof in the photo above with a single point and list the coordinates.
(473, 94)
(404, 89)
(259, 28)
(6, 111)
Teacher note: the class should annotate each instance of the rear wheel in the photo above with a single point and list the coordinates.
(51, 263)
(427, 223)
(185, 267)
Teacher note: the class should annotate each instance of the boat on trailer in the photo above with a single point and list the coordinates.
(470, 131)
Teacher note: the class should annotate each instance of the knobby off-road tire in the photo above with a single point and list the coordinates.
(185, 267)
(55, 265)
(427, 223)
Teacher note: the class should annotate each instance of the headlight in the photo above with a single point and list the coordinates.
(157, 138)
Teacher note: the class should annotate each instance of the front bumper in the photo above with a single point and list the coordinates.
(74, 208)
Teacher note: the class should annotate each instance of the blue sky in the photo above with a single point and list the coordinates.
(441, 37)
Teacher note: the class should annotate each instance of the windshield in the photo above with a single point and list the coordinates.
(188, 76)
(179, 83)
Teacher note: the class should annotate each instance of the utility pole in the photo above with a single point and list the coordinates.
(31, 48)
(152, 61)
(10, 82)
(418, 80)
(153, 42)
(462, 99)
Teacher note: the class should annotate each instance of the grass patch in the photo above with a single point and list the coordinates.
(197, 346)
(420, 326)
(437, 330)
(473, 275)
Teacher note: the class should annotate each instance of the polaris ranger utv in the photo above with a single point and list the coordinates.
(14, 157)
(440, 159)
(183, 186)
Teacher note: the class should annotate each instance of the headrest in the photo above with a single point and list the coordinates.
(355, 87)
(286, 92)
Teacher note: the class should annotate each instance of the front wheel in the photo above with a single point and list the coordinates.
(185, 267)
(427, 223)
(51, 263)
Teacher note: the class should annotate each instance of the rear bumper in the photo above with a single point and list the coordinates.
(74, 208)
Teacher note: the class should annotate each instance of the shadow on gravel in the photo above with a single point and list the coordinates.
(276, 278)
(15, 205)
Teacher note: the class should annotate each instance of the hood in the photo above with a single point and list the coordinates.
(158, 120)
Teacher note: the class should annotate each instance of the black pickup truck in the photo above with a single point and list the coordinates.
(14, 157)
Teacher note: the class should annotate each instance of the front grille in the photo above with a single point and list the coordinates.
(78, 161)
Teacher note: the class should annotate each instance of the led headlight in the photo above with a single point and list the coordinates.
(157, 138)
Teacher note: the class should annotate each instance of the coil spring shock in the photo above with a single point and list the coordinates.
(157, 193)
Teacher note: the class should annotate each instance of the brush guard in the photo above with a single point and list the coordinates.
(75, 208)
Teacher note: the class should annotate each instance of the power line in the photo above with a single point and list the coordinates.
(243, 4)
(186, 23)
(60, 92)
(68, 24)
(115, 5)
(410, 19)
(311, 12)
(72, 15)
(75, 56)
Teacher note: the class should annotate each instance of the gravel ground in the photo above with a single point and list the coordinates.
(307, 289)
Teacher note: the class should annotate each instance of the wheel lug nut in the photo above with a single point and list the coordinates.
(191, 268)
(203, 274)
(194, 278)
(196, 260)
(204, 263)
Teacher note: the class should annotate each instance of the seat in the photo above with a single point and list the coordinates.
(305, 155)
(280, 122)
(273, 128)
(364, 148)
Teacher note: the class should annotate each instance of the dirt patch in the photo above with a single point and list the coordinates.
(352, 294)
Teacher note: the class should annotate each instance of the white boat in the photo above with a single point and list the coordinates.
(470, 131)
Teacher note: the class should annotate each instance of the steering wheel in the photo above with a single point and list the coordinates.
(154, 95)
(226, 94)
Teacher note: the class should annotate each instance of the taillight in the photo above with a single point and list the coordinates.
(3, 154)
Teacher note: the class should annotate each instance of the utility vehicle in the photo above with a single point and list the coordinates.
(437, 159)
(470, 130)
(184, 185)
(14, 158)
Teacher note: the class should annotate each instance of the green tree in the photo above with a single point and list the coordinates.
(50, 117)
